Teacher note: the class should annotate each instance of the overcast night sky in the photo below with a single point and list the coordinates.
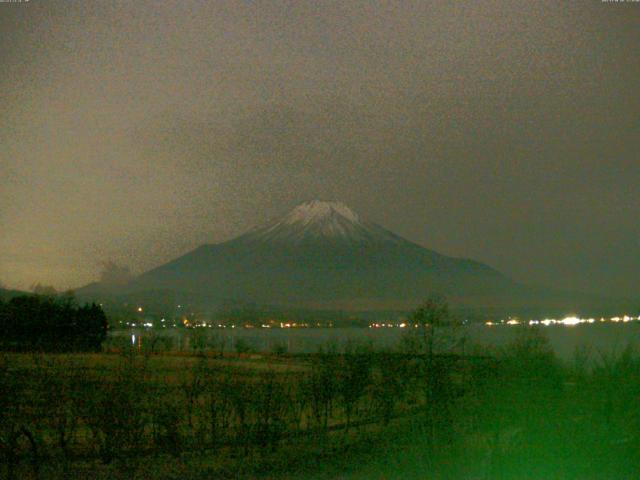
(507, 132)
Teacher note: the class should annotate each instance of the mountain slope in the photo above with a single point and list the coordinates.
(6, 294)
(324, 255)
(321, 254)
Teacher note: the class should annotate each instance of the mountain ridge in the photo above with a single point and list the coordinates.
(324, 255)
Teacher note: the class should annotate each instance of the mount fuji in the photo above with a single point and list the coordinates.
(323, 255)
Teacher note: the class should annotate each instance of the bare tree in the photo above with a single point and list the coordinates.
(431, 335)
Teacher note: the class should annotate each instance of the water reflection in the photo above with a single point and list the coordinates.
(565, 337)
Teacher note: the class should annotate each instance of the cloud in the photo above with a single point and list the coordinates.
(113, 274)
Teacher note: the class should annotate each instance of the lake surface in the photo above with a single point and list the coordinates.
(597, 339)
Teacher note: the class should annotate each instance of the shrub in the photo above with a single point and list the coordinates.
(243, 346)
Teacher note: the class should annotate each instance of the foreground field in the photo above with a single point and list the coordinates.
(515, 414)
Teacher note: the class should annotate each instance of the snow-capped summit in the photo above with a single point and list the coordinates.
(318, 220)
(316, 210)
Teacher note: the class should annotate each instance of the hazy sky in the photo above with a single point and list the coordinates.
(504, 131)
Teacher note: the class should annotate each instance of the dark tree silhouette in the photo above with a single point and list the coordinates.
(50, 323)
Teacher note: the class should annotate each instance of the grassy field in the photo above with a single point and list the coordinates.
(517, 413)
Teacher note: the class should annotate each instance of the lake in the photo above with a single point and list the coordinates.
(597, 338)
